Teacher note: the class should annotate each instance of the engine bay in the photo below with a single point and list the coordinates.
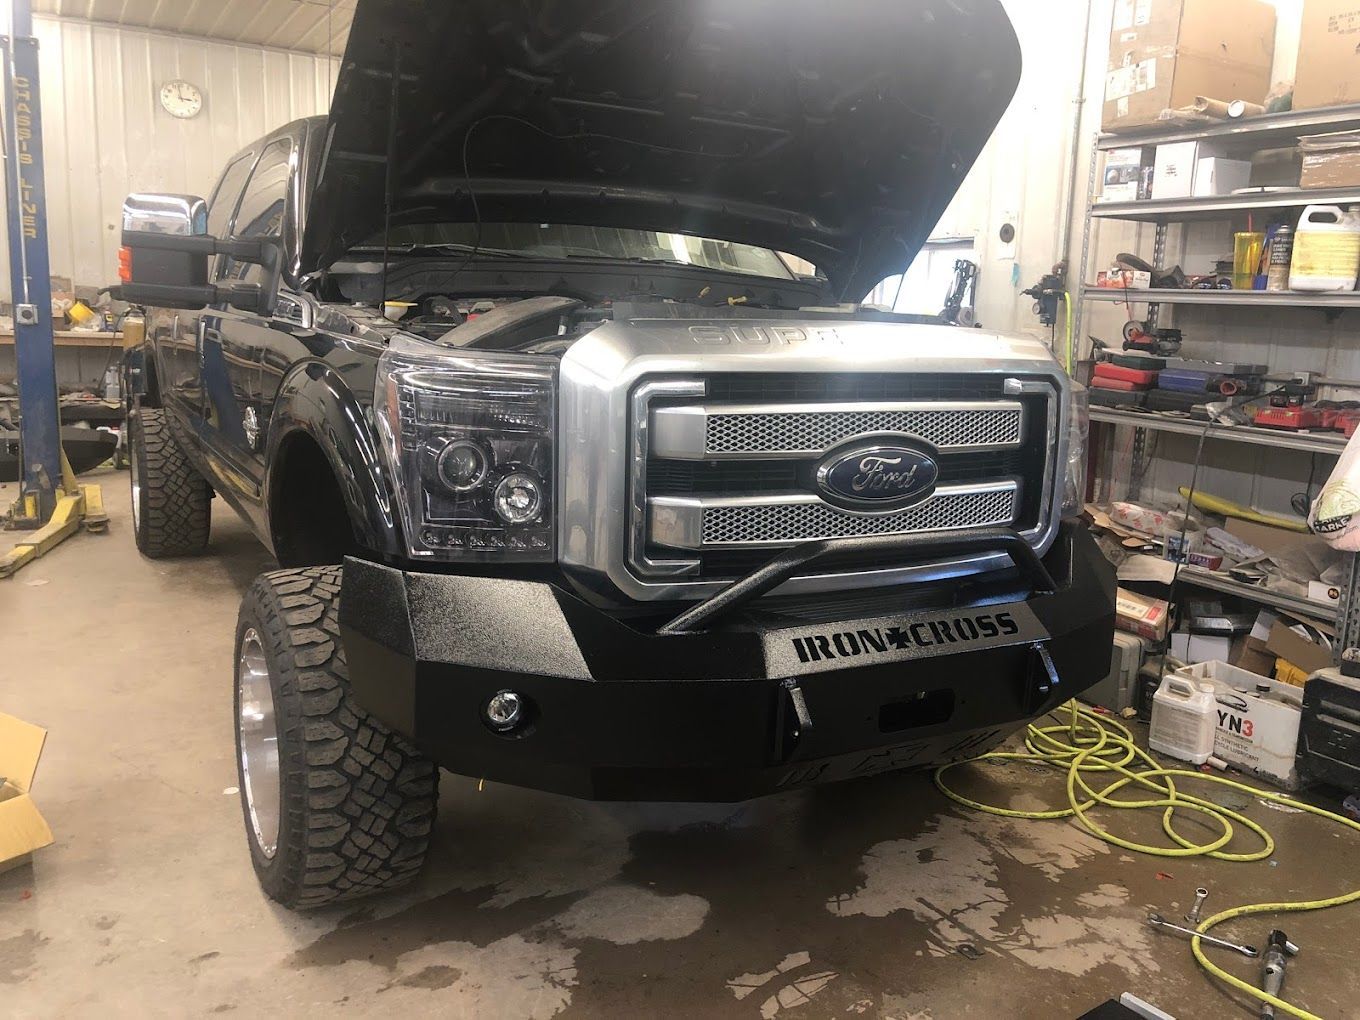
(545, 305)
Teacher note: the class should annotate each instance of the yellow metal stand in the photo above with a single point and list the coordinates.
(80, 504)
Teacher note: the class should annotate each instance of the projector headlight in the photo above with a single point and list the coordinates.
(468, 439)
(1078, 428)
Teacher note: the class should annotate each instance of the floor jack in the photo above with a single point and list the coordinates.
(78, 505)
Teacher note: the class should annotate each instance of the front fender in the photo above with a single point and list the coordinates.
(314, 399)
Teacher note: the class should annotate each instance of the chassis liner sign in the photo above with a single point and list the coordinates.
(816, 649)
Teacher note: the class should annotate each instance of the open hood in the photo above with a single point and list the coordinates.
(836, 131)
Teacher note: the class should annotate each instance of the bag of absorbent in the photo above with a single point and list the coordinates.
(1335, 514)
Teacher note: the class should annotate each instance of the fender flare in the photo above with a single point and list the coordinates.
(314, 399)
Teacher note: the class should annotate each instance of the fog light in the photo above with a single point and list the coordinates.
(518, 498)
(504, 711)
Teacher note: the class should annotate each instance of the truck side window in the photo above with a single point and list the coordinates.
(262, 207)
(226, 195)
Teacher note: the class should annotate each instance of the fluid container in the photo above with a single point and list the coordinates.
(1183, 719)
(1326, 250)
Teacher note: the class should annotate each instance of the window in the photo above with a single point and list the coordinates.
(262, 207)
(927, 282)
(226, 194)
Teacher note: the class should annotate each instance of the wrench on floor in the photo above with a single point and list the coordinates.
(1158, 921)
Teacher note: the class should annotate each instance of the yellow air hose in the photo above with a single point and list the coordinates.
(1090, 746)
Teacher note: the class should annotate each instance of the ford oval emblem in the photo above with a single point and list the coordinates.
(878, 475)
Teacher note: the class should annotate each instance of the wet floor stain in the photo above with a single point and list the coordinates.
(433, 977)
(19, 955)
(881, 882)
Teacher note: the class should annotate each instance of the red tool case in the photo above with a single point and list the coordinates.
(1294, 418)
(1101, 383)
(1137, 376)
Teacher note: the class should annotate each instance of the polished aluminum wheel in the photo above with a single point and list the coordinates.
(135, 472)
(259, 739)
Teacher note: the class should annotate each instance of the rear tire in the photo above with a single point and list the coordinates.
(339, 806)
(171, 503)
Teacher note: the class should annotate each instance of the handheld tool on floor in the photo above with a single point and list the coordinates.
(1158, 921)
(1200, 895)
(1278, 951)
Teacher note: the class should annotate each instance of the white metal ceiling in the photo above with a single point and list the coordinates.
(312, 26)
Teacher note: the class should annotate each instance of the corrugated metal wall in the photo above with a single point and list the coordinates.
(106, 133)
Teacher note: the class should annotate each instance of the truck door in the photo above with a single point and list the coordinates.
(177, 335)
(233, 341)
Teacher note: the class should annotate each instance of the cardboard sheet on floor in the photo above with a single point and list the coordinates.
(22, 827)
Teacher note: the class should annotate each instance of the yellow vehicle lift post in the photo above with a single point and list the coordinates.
(77, 505)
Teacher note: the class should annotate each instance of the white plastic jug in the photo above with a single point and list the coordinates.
(1183, 720)
(1326, 250)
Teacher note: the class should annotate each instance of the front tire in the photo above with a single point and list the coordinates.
(336, 805)
(171, 503)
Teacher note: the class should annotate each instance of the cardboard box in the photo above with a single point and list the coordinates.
(1123, 279)
(1147, 617)
(1176, 166)
(1269, 539)
(1254, 657)
(22, 828)
(1321, 591)
(1331, 160)
(1128, 174)
(1257, 720)
(1298, 650)
(1200, 647)
(1215, 175)
(1329, 55)
(1166, 53)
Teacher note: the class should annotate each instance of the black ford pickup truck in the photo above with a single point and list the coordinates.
(537, 366)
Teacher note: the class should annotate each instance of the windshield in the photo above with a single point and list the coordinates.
(553, 241)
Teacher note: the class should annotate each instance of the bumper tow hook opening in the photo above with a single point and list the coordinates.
(1042, 678)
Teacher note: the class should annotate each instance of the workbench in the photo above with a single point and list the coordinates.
(81, 356)
(74, 338)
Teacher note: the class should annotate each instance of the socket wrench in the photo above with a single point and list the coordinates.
(1201, 894)
(1158, 921)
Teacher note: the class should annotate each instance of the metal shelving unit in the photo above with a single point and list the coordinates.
(1233, 138)
(1219, 207)
(1328, 443)
(1289, 603)
(1248, 134)
(1226, 298)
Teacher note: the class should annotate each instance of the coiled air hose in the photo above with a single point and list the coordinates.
(1090, 746)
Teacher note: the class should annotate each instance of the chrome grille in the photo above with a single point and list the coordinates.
(751, 469)
(798, 522)
(723, 431)
(815, 432)
(704, 523)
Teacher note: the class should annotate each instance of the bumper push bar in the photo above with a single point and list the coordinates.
(931, 544)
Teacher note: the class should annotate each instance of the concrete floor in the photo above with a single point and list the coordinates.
(846, 901)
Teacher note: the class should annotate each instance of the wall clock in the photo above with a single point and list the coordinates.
(181, 99)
